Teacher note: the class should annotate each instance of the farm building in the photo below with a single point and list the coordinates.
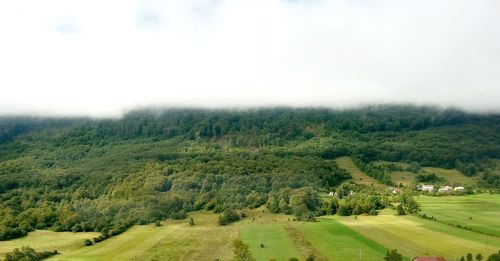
(429, 258)
(396, 191)
(458, 189)
(445, 189)
(427, 188)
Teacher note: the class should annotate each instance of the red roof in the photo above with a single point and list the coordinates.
(429, 258)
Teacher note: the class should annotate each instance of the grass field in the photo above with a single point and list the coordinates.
(277, 243)
(404, 177)
(174, 240)
(330, 238)
(413, 236)
(452, 175)
(480, 212)
(47, 240)
(358, 176)
(338, 242)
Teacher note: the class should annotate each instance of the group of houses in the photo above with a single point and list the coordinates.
(445, 189)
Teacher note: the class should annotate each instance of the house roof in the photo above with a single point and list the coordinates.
(429, 258)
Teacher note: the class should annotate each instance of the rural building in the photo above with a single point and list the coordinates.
(429, 258)
(331, 194)
(396, 191)
(427, 188)
(458, 189)
(445, 189)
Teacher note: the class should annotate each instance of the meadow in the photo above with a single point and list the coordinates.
(413, 236)
(45, 240)
(480, 212)
(329, 238)
(358, 176)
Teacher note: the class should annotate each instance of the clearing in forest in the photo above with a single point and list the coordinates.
(358, 176)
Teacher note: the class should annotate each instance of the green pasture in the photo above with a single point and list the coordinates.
(480, 212)
(338, 242)
(358, 176)
(45, 240)
(413, 236)
(277, 244)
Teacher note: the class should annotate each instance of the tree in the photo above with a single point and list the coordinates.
(227, 217)
(241, 251)
(400, 211)
(479, 257)
(393, 255)
(469, 257)
(494, 257)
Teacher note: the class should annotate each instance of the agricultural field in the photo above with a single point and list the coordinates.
(451, 175)
(358, 176)
(336, 241)
(413, 236)
(403, 177)
(274, 239)
(330, 238)
(479, 212)
(174, 240)
(47, 241)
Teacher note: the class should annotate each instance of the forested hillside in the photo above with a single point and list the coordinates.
(80, 174)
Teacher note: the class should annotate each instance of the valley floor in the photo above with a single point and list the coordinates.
(277, 236)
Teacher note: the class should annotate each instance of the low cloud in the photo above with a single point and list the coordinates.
(99, 58)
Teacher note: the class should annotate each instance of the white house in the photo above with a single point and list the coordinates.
(458, 189)
(427, 188)
(445, 189)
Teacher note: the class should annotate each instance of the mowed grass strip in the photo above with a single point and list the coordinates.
(338, 242)
(480, 212)
(413, 236)
(44, 240)
(358, 176)
(277, 244)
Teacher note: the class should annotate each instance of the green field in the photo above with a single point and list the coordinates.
(451, 175)
(404, 177)
(480, 212)
(413, 236)
(47, 241)
(330, 238)
(274, 237)
(174, 240)
(338, 242)
(358, 176)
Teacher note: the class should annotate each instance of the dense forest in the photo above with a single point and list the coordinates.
(82, 174)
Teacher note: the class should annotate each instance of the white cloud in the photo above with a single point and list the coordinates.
(101, 57)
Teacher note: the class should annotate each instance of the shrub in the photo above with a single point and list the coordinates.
(227, 217)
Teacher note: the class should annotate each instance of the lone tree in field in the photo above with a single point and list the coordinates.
(241, 252)
(479, 257)
(393, 255)
(191, 221)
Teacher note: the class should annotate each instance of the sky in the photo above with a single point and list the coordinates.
(102, 58)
